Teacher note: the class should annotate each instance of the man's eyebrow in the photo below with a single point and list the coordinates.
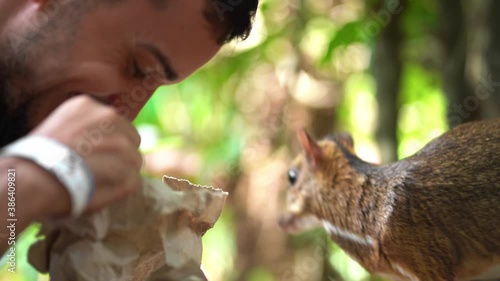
(169, 72)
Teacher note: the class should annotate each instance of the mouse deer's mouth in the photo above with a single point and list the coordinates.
(294, 224)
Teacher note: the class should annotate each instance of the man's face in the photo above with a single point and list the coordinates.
(116, 50)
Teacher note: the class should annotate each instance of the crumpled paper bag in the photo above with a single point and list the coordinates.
(153, 235)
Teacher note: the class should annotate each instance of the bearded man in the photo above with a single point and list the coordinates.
(73, 75)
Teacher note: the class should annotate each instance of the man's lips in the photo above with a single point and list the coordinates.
(108, 100)
(117, 101)
(113, 99)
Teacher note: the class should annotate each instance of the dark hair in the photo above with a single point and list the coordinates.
(231, 19)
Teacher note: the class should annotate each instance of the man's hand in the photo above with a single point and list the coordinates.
(108, 144)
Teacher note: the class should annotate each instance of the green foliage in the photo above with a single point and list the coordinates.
(24, 271)
(422, 101)
(348, 34)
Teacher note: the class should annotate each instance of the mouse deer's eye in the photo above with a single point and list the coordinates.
(293, 174)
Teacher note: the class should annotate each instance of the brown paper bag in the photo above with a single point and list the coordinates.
(153, 235)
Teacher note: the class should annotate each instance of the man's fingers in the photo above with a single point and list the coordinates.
(135, 158)
(112, 145)
(110, 123)
(133, 135)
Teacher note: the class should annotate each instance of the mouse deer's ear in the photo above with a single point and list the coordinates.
(313, 151)
(345, 139)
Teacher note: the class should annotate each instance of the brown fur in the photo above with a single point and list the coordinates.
(432, 216)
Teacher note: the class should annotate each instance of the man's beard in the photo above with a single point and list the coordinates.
(18, 98)
(13, 124)
(13, 121)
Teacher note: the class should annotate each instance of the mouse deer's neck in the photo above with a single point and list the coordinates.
(357, 202)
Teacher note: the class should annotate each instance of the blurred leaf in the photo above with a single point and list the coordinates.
(260, 274)
(348, 34)
(23, 270)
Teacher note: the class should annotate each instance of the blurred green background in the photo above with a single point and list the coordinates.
(395, 74)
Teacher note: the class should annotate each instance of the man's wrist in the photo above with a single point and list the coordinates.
(62, 162)
(40, 195)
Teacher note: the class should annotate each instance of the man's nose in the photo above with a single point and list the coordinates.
(128, 105)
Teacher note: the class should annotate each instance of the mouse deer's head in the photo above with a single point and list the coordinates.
(318, 178)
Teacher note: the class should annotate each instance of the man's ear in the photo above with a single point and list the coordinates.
(313, 152)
